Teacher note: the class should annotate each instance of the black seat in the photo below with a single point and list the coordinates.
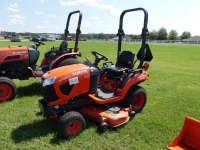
(63, 45)
(125, 62)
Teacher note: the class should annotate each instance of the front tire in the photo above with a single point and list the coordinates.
(8, 90)
(68, 61)
(137, 98)
(71, 124)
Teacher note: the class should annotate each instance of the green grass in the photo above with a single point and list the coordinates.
(173, 93)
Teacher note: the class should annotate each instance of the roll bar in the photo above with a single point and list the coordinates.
(145, 33)
(78, 31)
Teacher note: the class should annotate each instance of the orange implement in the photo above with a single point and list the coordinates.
(189, 137)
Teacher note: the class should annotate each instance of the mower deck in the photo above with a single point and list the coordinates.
(110, 114)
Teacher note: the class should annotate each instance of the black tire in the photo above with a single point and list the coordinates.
(104, 126)
(68, 61)
(137, 98)
(8, 89)
(71, 124)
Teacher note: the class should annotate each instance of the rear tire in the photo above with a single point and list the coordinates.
(68, 61)
(8, 89)
(71, 124)
(137, 98)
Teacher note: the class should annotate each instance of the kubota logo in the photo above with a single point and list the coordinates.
(22, 52)
(79, 72)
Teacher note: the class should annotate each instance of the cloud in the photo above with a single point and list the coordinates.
(51, 16)
(92, 3)
(110, 9)
(86, 23)
(92, 26)
(44, 25)
(96, 18)
(41, 1)
(39, 13)
(17, 16)
(46, 21)
(13, 7)
(64, 3)
(16, 19)
(41, 26)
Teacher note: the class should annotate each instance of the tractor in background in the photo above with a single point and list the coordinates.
(20, 62)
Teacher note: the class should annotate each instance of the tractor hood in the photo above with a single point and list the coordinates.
(11, 53)
(67, 72)
(64, 83)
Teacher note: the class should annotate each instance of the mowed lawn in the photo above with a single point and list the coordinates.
(173, 93)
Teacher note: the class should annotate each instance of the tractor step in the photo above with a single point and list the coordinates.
(37, 72)
(104, 96)
(104, 93)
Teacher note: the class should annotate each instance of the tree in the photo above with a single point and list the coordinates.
(185, 35)
(162, 34)
(135, 36)
(153, 35)
(173, 35)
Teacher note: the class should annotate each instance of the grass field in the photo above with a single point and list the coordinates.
(173, 93)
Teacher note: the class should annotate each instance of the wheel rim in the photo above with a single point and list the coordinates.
(73, 127)
(138, 101)
(5, 92)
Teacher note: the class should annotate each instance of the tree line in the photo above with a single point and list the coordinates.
(161, 34)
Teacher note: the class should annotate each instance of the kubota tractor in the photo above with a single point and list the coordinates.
(110, 95)
(19, 62)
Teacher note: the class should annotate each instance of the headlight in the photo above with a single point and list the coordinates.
(49, 81)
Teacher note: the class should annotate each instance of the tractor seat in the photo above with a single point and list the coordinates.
(125, 62)
(63, 45)
(116, 71)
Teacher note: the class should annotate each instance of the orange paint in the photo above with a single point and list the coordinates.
(189, 137)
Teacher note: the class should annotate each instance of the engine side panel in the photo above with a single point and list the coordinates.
(14, 61)
(13, 53)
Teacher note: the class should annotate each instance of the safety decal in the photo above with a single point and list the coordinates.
(73, 81)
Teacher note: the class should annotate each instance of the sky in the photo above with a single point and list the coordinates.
(99, 16)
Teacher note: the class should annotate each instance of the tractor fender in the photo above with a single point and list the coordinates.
(56, 61)
(132, 80)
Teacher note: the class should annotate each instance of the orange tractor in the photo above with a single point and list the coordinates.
(19, 62)
(110, 95)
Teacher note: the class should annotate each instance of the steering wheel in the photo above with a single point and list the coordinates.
(99, 56)
(39, 42)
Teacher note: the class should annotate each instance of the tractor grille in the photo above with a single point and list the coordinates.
(49, 93)
(66, 88)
